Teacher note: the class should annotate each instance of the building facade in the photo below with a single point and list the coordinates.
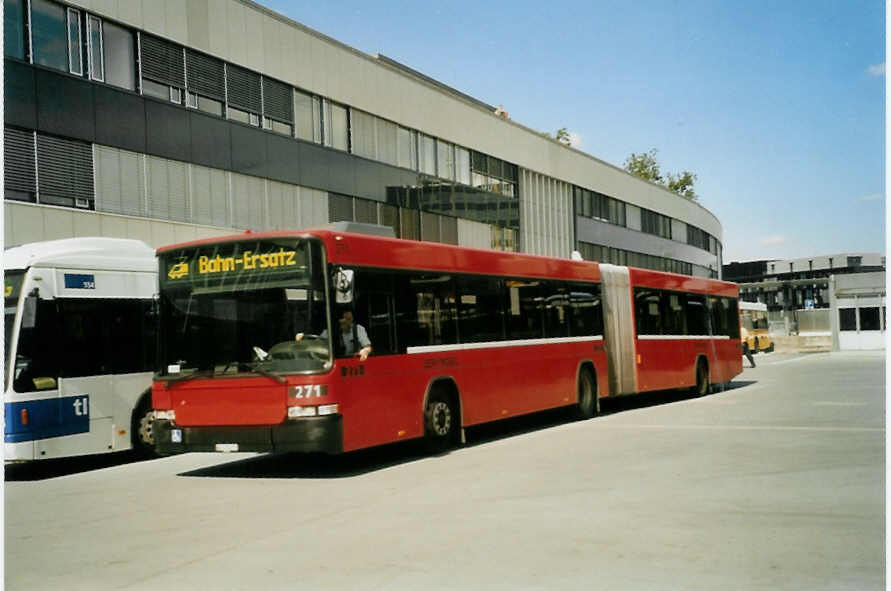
(168, 121)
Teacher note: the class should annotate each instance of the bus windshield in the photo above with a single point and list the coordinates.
(235, 308)
(12, 285)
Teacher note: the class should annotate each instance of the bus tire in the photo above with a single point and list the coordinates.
(588, 403)
(769, 348)
(703, 387)
(441, 422)
(142, 438)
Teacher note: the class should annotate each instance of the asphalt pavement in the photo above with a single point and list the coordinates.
(776, 482)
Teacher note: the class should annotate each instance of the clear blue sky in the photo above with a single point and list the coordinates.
(778, 107)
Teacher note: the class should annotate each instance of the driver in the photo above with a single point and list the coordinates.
(354, 337)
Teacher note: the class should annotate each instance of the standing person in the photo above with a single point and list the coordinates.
(747, 352)
(353, 336)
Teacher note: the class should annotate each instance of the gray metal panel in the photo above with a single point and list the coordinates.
(597, 232)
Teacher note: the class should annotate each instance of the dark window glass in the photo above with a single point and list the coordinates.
(374, 311)
(719, 316)
(448, 230)
(731, 311)
(75, 338)
(425, 310)
(120, 56)
(429, 227)
(49, 35)
(480, 309)
(160, 91)
(870, 319)
(646, 311)
(587, 313)
(697, 314)
(847, 319)
(674, 313)
(390, 217)
(14, 28)
(557, 309)
(524, 311)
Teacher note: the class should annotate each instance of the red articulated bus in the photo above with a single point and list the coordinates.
(428, 339)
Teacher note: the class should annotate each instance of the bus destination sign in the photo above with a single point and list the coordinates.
(239, 263)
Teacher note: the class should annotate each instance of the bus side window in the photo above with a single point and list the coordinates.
(673, 313)
(374, 297)
(425, 310)
(719, 316)
(646, 312)
(731, 311)
(587, 313)
(697, 315)
(525, 310)
(556, 309)
(480, 309)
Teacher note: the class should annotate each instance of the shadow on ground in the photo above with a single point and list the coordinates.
(365, 461)
(44, 469)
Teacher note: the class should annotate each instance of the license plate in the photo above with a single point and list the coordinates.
(176, 436)
(227, 447)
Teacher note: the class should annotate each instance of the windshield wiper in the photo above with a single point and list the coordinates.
(268, 374)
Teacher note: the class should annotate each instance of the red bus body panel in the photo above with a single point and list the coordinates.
(666, 363)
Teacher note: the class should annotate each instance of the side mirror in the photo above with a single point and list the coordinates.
(343, 286)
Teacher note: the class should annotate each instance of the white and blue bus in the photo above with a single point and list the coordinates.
(80, 341)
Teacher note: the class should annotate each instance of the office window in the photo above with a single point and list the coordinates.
(75, 60)
(366, 211)
(386, 141)
(19, 170)
(94, 48)
(847, 319)
(307, 117)
(409, 224)
(244, 94)
(340, 208)
(427, 154)
(445, 159)
(462, 165)
(119, 47)
(654, 223)
(407, 148)
(64, 172)
(14, 28)
(163, 69)
(206, 81)
(278, 108)
(870, 319)
(335, 125)
(429, 227)
(855, 261)
(364, 141)
(49, 35)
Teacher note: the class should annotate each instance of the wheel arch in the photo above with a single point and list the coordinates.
(449, 384)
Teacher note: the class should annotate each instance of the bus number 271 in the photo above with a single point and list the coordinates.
(310, 391)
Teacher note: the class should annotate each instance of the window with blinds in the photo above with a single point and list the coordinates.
(162, 61)
(65, 172)
(19, 171)
(243, 89)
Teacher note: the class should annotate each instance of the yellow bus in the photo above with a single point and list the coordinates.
(753, 326)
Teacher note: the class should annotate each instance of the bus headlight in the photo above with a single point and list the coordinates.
(328, 409)
(295, 412)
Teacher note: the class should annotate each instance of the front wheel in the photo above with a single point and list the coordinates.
(143, 439)
(440, 421)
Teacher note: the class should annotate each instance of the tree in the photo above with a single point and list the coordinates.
(561, 136)
(647, 167)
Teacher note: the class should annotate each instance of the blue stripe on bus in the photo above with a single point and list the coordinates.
(50, 417)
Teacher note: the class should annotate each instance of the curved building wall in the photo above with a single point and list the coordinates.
(228, 161)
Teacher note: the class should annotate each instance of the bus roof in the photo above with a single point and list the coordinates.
(376, 251)
(677, 282)
(112, 254)
(757, 306)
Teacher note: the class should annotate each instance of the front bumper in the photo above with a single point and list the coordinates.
(306, 434)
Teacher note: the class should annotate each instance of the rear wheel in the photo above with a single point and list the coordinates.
(703, 386)
(440, 421)
(588, 404)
